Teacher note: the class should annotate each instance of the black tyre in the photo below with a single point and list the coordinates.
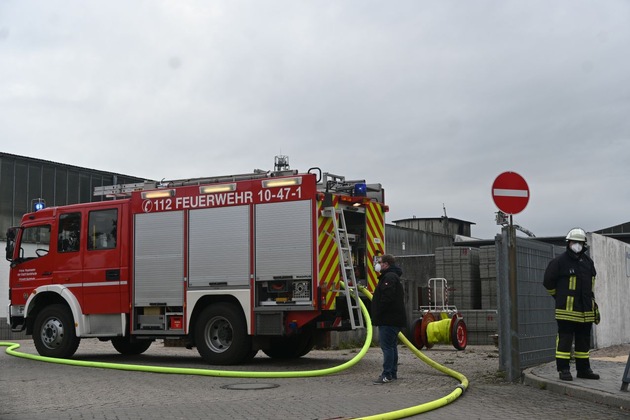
(54, 334)
(312, 338)
(290, 347)
(129, 346)
(221, 335)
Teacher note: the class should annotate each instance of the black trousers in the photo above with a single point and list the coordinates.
(569, 331)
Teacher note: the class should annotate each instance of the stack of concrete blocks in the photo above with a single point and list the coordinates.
(460, 267)
(471, 277)
(482, 325)
(488, 276)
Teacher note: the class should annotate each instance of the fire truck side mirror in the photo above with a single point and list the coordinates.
(10, 243)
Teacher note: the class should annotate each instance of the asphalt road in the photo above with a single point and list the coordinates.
(37, 390)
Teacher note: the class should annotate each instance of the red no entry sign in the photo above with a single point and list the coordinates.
(510, 192)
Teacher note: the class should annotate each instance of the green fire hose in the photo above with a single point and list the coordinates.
(398, 414)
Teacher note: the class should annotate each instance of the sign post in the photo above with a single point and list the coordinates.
(511, 195)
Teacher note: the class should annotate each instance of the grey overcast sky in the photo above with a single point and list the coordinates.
(433, 99)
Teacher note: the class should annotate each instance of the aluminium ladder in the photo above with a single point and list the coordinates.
(351, 290)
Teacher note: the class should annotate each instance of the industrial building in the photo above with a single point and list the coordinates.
(26, 182)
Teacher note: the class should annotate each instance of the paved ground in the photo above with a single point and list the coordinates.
(606, 390)
(36, 390)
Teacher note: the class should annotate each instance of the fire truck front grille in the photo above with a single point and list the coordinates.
(269, 323)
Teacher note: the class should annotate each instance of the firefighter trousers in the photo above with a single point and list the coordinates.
(567, 332)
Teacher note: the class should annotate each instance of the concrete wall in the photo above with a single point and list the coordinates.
(4, 283)
(612, 290)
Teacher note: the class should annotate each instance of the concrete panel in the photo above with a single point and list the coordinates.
(612, 290)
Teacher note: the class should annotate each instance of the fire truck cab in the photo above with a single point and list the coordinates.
(232, 265)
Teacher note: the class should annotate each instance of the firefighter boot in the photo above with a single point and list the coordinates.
(565, 375)
(587, 374)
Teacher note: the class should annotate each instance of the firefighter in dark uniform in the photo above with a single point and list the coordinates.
(570, 279)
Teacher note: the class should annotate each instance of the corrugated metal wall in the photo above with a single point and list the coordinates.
(403, 241)
(23, 179)
(417, 270)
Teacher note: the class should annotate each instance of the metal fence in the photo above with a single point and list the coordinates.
(7, 335)
(527, 326)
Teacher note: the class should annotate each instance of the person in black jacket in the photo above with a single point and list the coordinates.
(569, 279)
(388, 314)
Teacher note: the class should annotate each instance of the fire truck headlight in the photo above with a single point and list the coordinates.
(158, 194)
(208, 189)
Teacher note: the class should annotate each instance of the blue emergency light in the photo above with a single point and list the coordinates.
(360, 189)
(39, 204)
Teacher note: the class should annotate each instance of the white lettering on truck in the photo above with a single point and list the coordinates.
(232, 198)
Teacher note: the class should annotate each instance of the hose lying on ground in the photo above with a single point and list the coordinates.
(398, 414)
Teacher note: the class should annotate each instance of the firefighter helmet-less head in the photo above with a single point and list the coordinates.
(576, 235)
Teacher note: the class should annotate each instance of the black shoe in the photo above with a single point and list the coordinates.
(587, 374)
(382, 380)
(565, 375)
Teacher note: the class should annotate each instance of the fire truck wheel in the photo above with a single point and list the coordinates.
(310, 344)
(124, 345)
(221, 335)
(290, 347)
(53, 332)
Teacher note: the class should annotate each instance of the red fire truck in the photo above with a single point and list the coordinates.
(230, 265)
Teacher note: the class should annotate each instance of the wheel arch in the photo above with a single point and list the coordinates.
(208, 300)
(49, 295)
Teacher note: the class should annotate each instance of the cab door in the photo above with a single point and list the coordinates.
(68, 243)
(33, 266)
(102, 278)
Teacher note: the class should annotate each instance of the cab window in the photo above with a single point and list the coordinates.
(35, 242)
(102, 229)
(69, 232)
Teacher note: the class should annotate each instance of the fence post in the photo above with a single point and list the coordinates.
(514, 372)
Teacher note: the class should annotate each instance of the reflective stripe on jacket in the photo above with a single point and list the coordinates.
(570, 279)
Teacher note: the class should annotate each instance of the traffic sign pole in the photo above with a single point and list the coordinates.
(511, 195)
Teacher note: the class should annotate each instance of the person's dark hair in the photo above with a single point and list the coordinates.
(389, 259)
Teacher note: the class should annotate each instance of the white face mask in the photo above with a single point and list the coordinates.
(576, 247)
(377, 267)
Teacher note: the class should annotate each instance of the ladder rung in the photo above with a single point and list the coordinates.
(345, 259)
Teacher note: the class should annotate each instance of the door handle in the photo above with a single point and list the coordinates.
(112, 274)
